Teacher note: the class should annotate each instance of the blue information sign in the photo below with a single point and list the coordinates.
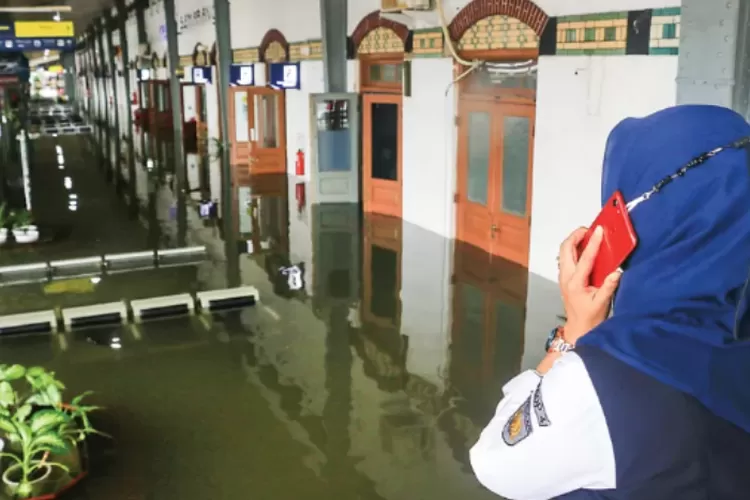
(241, 74)
(202, 74)
(284, 75)
(21, 44)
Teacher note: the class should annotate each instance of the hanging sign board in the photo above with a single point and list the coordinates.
(202, 74)
(43, 29)
(284, 75)
(242, 75)
(36, 35)
(195, 18)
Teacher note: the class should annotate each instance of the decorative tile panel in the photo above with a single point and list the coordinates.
(275, 53)
(245, 55)
(380, 40)
(498, 32)
(306, 51)
(665, 31)
(605, 33)
(428, 43)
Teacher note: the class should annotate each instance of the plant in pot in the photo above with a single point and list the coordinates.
(24, 229)
(40, 431)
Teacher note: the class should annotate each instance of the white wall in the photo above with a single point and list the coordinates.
(579, 100)
(299, 133)
(297, 20)
(203, 32)
(429, 141)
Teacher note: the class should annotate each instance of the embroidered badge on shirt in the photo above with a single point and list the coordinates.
(539, 410)
(519, 426)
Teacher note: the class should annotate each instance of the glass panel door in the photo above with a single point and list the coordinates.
(384, 141)
(515, 160)
(511, 174)
(334, 165)
(478, 157)
(241, 118)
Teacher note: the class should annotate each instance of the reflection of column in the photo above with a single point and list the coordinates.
(108, 27)
(176, 105)
(103, 100)
(140, 19)
(122, 15)
(338, 406)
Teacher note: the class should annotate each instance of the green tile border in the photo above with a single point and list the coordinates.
(666, 11)
(663, 51)
(603, 16)
(591, 52)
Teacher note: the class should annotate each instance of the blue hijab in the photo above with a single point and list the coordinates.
(682, 311)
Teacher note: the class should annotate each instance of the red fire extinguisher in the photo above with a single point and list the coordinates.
(300, 163)
(299, 192)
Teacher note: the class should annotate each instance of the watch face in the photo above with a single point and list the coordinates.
(550, 339)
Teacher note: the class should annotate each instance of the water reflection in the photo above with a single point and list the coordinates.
(370, 380)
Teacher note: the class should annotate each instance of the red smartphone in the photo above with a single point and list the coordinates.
(618, 242)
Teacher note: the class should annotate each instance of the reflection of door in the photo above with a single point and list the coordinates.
(257, 129)
(495, 147)
(382, 153)
(383, 238)
(261, 210)
(488, 322)
(336, 252)
(335, 173)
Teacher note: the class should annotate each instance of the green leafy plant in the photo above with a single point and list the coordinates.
(3, 216)
(22, 219)
(37, 424)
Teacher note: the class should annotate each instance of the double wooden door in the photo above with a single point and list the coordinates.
(495, 156)
(257, 129)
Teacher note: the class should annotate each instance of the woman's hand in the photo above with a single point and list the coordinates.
(585, 305)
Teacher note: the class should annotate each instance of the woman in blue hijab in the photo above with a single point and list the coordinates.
(650, 400)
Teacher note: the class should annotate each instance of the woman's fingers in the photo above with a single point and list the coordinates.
(604, 294)
(586, 261)
(568, 256)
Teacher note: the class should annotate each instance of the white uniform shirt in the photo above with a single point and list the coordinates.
(548, 437)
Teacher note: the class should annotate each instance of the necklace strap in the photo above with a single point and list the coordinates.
(698, 160)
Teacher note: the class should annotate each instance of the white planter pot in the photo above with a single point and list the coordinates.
(3, 239)
(37, 485)
(26, 234)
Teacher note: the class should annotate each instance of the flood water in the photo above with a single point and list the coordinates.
(370, 378)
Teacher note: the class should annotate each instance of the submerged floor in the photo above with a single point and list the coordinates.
(368, 378)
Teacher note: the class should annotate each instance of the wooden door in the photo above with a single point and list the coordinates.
(201, 124)
(258, 129)
(383, 242)
(382, 154)
(267, 130)
(495, 148)
(239, 127)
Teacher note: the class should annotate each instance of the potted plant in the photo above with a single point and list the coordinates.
(24, 229)
(3, 223)
(41, 433)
